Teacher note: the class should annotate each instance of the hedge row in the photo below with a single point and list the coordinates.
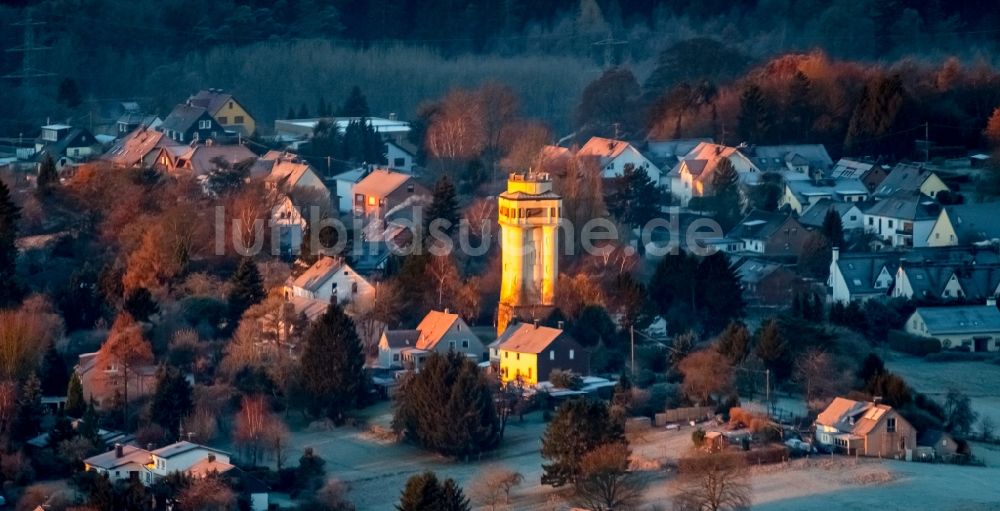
(912, 344)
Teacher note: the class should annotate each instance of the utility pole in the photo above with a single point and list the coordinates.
(631, 330)
(767, 389)
(609, 45)
(927, 142)
(28, 50)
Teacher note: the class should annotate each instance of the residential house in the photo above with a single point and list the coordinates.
(231, 115)
(772, 234)
(946, 281)
(66, 144)
(902, 219)
(100, 383)
(911, 178)
(861, 277)
(768, 283)
(188, 123)
(851, 217)
(137, 149)
(802, 195)
(793, 162)
(966, 224)
(130, 121)
(530, 352)
(439, 332)
(329, 279)
(864, 428)
(614, 155)
(288, 223)
(202, 159)
(692, 176)
(942, 445)
(871, 174)
(288, 173)
(967, 327)
(123, 463)
(344, 183)
(382, 191)
(667, 153)
(401, 156)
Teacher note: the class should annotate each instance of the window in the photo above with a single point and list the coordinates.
(890, 224)
(529, 373)
(890, 425)
(398, 162)
(451, 345)
(205, 124)
(506, 354)
(223, 120)
(230, 105)
(465, 343)
(371, 200)
(871, 221)
(552, 354)
(354, 287)
(409, 188)
(359, 199)
(854, 217)
(237, 120)
(571, 353)
(395, 357)
(517, 356)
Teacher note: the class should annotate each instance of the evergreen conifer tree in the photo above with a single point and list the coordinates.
(444, 205)
(48, 176)
(172, 400)
(579, 426)
(247, 288)
(54, 373)
(333, 364)
(75, 403)
(10, 290)
(356, 104)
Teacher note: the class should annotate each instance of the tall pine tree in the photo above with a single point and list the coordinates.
(356, 105)
(726, 201)
(635, 199)
(579, 426)
(75, 403)
(755, 116)
(10, 290)
(333, 365)
(48, 176)
(444, 206)
(247, 288)
(172, 400)
(425, 491)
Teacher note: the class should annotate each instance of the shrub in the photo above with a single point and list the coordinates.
(766, 455)
(565, 379)
(920, 346)
(698, 437)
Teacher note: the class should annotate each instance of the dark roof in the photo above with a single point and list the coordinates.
(861, 270)
(759, 225)
(77, 137)
(816, 214)
(931, 437)
(965, 319)
(906, 177)
(210, 100)
(975, 222)
(906, 205)
(402, 338)
(182, 117)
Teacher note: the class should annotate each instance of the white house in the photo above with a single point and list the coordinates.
(859, 277)
(614, 155)
(851, 217)
(965, 224)
(947, 281)
(802, 195)
(970, 327)
(345, 182)
(287, 172)
(903, 219)
(327, 278)
(438, 332)
(125, 461)
(400, 157)
(692, 176)
(288, 223)
(911, 178)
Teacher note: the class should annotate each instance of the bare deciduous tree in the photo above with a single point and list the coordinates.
(605, 482)
(713, 482)
(706, 373)
(492, 488)
(207, 494)
(123, 351)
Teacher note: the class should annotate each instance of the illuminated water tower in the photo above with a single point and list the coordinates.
(529, 239)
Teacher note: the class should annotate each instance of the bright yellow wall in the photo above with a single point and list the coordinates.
(249, 125)
(511, 366)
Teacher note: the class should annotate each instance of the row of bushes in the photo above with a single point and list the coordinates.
(912, 344)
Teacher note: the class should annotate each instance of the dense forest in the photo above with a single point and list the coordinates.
(287, 53)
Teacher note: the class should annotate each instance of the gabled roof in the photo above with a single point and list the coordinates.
(132, 148)
(182, 117)
(760, 225)
(975, 222)
(704, 158)
(753, 271)
(199, 158)
(860, 271)
(846, 168)
(381, 182)
(401, 338)
(287, 168)
(109, 460)
(833, 188)
(964, 319)
(775, 157)
(317, 274)
(905, 205)
(606, 149)
(182, 447)
(527, 338)
(308, 307)
(816, 214)
(905, 176)
(433, 327)
(850, 416)
(674, 148)
(211, 100)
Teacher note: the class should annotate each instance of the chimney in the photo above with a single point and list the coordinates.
(392, 116)
(835, 256)
(560, 325)
(211, 457)
(119, 450)
(535, 322)
(447, 310)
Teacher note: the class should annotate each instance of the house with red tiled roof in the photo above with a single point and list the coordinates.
(865, 428)
(383, 191)
(138, 148)
(530, 352)
(439, 331)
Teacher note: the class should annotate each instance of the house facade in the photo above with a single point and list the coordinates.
(614, 155)
(329, 279)
(864, 428)
(692, 176)
(438, 332)
(137, 149)
(965, 224)
(851, 217)
(870, 173)
(909, 177)
(382, 191)
(529, 352)
(803, 195)
(231, 115)
(400, 157)
(903, 219)
(187, 123)
(967, 327)
(861, 277)
(771, 234)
